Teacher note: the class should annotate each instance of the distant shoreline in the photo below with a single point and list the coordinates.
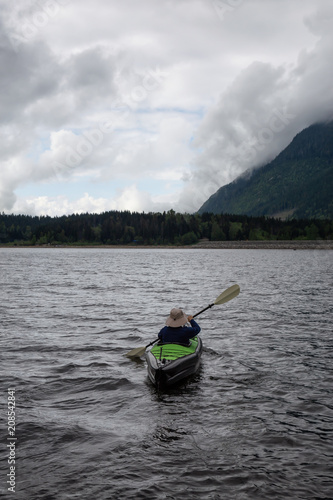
(209, 245)
(269, 244)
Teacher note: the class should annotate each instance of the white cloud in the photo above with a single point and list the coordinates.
(129, 198)
(94, 92)
(260, 113)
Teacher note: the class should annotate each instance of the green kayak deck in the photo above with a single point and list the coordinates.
(174, 351)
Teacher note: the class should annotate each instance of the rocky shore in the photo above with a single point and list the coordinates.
(214, 245)
(266, 245)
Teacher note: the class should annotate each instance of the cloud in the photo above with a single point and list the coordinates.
(130, 198)
(261, 112)
(170, 100)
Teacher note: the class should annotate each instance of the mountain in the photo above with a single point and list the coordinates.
(298, 183)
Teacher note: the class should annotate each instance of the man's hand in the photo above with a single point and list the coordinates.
(189, 318)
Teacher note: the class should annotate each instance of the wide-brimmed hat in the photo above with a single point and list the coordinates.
(177, 318)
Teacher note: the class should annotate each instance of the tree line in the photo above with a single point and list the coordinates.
(167, 228)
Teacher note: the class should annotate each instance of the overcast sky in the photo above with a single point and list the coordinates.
(149, 105)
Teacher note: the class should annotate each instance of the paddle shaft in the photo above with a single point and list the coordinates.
(208, 307)
(153, 342)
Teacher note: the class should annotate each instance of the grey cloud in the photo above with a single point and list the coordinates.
(91, 69)
(7, 197)
(25, 76)
(91, 57)
(260, 113)
(40, 93)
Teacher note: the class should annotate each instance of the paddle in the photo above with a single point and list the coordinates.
(228, 294)
(139, 351)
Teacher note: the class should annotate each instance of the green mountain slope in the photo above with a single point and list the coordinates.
(298, 183)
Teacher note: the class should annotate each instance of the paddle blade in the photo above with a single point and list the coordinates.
(228, 294)
(137, 352)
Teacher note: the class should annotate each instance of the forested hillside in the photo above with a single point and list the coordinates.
(168, 228)
(297, 184)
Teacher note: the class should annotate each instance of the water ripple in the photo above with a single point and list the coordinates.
(254, 423)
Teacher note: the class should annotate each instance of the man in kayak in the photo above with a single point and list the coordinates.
(176, 331)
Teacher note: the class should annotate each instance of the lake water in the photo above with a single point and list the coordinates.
(256, 422)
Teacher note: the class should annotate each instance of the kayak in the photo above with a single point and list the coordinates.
(171, 363)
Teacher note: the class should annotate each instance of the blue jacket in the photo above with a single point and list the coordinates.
(180, 335)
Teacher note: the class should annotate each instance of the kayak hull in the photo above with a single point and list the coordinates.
(169, 364)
